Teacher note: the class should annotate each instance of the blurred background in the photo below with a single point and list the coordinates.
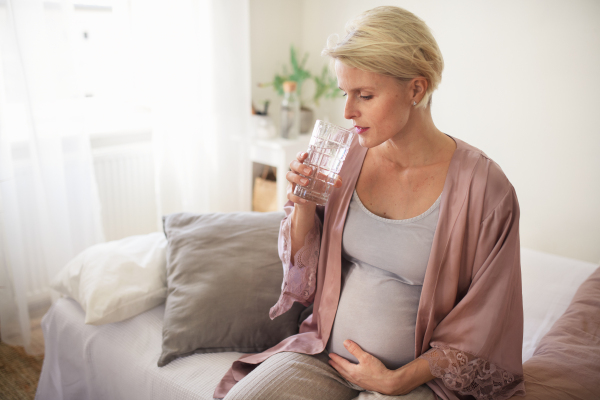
(114, 113)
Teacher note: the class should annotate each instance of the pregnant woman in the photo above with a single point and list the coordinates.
(413, 266)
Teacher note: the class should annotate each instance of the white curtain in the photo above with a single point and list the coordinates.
(193, 70)
(188, 63)
(49, 208)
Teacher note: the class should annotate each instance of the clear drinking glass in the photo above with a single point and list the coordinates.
(327, 151)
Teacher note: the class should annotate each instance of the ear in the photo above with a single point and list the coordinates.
(418, 87)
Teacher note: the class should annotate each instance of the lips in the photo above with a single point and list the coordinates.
(360, 129)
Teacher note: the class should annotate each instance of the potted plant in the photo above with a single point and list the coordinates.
(325, 86)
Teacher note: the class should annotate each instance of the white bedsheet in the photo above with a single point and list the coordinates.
(118, 361)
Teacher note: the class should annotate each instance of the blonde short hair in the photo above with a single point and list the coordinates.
(394, 42)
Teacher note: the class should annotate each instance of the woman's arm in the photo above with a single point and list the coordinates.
(302, 222)
(371, 374)
(411, 376)
(299, 243)
(302, 217)
(300, 265)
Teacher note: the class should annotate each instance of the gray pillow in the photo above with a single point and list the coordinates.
(223, 276)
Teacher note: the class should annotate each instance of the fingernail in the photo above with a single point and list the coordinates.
(304, 181)
(307, 171)
(304, 201)
(346, 343)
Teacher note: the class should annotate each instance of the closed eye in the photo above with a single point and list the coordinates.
(362, 97)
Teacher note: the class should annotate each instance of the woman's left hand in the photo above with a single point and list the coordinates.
(369, 373)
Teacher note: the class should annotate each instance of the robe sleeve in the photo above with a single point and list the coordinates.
(299, 275)
(476, 349)
(469, 375)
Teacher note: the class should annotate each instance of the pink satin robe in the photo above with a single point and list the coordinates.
(470, 318)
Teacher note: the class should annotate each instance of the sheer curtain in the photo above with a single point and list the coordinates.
(49, 208)
(188, 63)
(192, 63)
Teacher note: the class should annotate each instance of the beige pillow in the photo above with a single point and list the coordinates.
(566, 363)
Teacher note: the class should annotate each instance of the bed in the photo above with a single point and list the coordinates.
(119, 360)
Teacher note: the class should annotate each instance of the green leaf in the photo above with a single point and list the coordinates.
(326, 85)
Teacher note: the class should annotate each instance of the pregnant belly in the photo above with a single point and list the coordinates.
(377, 311)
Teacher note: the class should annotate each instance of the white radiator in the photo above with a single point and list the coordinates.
(124, 168)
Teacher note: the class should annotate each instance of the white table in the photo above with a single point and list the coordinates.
(277, 153)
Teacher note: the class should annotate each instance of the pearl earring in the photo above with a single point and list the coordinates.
(414, 103)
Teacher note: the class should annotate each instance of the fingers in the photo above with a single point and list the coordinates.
(345, 368)
(339, 369)
(295, 199)
(298, 162)
(338, 182)
(340, 364)
(297, 166)
(296, 179)
(355, 350)
(341, 361)
(297, 176)
(300, 174)
(301, 156)
(300, 168)
(369, 373)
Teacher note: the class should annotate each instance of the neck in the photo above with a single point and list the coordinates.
(420, 143)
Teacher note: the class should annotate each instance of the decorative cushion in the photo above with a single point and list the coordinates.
(223, 276)
(566, 364)
(117, 280)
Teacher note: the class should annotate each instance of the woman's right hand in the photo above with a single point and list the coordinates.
(297, 167)
(303, 215)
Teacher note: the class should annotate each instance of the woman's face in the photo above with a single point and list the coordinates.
(378, 105)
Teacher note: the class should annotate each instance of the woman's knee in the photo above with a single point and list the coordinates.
(263, 382)
(285, 376)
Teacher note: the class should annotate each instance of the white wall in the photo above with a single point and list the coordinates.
(521, 82)
(274, 26)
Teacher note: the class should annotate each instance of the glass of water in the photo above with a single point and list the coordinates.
(327, 151)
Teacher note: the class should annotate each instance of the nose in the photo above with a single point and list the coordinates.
(350, 110)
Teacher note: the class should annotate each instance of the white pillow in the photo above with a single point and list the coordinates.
(549, 284)
(117, 280)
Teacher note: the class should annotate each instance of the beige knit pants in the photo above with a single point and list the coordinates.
(295, 376)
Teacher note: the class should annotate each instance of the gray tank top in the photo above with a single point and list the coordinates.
(383, 268)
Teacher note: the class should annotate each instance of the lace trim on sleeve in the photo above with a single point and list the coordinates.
(299, 278)
(472, 376)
